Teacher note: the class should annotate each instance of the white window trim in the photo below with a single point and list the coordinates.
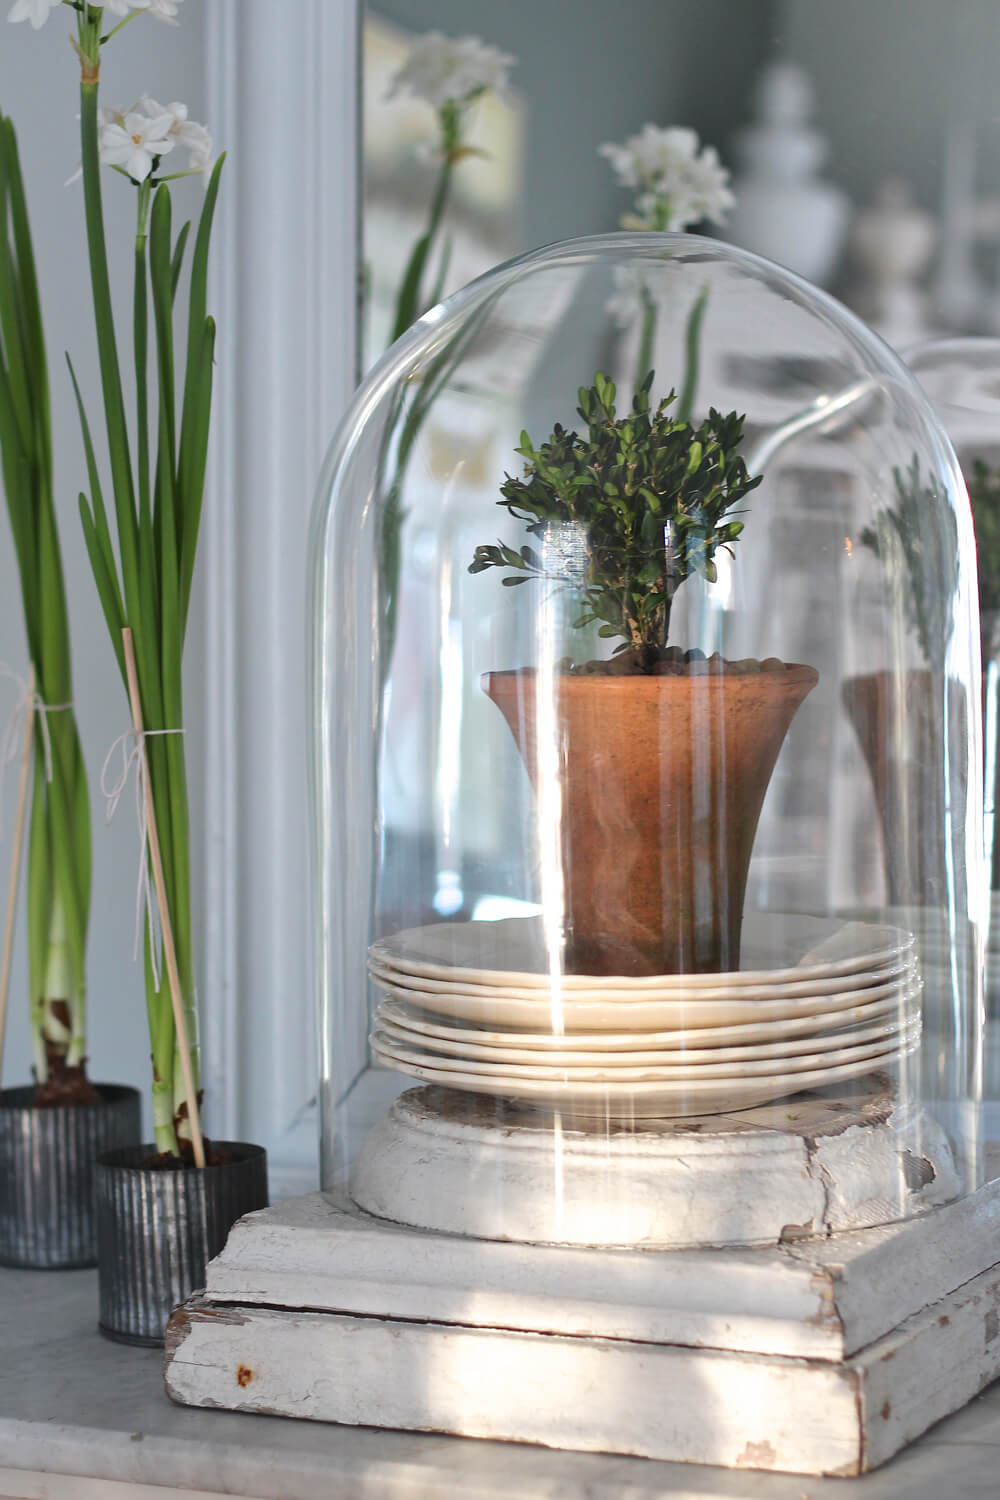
(285, 277)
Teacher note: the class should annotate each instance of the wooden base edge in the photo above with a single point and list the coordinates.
(600, 1395)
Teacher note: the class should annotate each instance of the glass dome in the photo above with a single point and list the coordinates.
(962, 378)
(647, 763)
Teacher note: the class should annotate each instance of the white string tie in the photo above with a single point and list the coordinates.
(13, 731)
(132, 748)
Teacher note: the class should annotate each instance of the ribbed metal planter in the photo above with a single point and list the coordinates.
(157, 1229)
(47, 1163)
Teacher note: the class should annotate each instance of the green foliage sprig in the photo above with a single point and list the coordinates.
(917, 539)
(651, 497)
(984, 493)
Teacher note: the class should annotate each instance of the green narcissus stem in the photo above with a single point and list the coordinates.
(58, 875)
(647, 335)
(692, 357)
(144, 582)
(408, 303)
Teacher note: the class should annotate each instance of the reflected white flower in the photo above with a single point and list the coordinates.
(681, 181)
(451, 70)
(35, 11)
(134, 141)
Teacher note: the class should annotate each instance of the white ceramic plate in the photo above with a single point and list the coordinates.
(819, 1048)
(641, 1101)
(702, 995)
(777, 948)
(493, 1008)
(624, 1070)
(672, 995)
(809, 1028)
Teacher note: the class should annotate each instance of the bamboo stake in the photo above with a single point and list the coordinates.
(15, 858)
(166, 929)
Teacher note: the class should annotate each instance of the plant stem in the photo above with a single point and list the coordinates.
(408, 304)
(647, 336)
(692, 357)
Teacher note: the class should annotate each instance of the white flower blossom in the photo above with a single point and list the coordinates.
(105, 116)
(162, 10)
(680, 181)
(451, 70)
(133, 141)
(183, 132)
(35, 11)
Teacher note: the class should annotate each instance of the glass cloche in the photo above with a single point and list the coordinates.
(647, 763)
(962, 378)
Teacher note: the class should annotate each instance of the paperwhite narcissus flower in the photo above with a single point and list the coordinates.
(680, 181)
(163, 10)
(133, 141)
(104, 117)
(183, 132)
(35, 11)
(442, 69)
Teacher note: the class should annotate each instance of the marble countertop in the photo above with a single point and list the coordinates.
(73, 1404)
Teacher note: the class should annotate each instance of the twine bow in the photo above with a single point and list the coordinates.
(12, 732)
(131, 745)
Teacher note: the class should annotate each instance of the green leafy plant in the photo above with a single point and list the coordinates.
(58, 884)
(984, 493)
(156, 464)
(917, 540)
(651, 499)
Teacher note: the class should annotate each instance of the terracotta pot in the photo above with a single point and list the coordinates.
(661, 782)
(899, 722)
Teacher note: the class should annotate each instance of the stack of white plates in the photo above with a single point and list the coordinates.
(946, 948)
(477, 1006)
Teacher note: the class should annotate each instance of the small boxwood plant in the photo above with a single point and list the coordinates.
(917, 541)
(984, 493)
(651, 498)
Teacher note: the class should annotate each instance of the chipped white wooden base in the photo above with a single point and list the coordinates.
(597, 1395)
(821, 1355)
(814, 1164)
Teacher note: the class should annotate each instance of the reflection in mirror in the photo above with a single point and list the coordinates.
(863, 152)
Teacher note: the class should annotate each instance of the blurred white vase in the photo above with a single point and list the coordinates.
(784, 210)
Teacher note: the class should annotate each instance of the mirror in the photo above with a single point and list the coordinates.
(871, 167)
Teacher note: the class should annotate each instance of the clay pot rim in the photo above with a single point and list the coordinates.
(795, 674)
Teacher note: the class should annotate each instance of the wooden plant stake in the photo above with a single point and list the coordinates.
(167, 931)
(15, 858)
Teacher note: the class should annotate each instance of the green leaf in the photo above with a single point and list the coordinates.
(645, 496)
(177, 261)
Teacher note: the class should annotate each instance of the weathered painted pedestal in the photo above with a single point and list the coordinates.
(819, 1354)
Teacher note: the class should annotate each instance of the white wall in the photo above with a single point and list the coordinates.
(39, 79)
(890, 76)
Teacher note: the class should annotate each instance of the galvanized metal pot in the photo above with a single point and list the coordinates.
(47, 1160)
(157, 1229)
